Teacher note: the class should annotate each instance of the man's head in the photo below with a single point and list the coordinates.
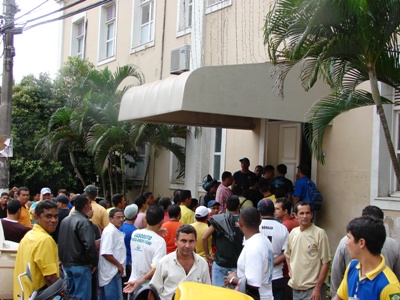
(4, 198)
(244, 163)
(201, 214)
(131, 211)
(82, 203)
(214, 207)
(46, 215)
(303, 170)
(46, 193)
(62, 192)
(14, 207)
(23, 195)
(365, 233)
(165, 202)
(304, 214)
(91, 192)
(226, 178)
(269, 172)
(62, 201)
(373, 211)
(232, 203)
(155, 215)
(258, 170)
(141, 203)
(266, 207)
(174, 212)
(185, 240)
(281, 169)
(118, 201)
(264, 187)
(117, 217)
(149, 197)
(249, 218)
(185, 197)
(283, 208)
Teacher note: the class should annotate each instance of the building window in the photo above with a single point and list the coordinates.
(214, 5)
(143, 22)
(78, 36)
(218, 152)
(107, 32)
(185, 16)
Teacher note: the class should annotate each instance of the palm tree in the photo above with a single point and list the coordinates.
(343, 42)
(60, 136)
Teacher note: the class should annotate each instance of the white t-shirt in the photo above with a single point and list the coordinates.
(255, 263)
(147, 248)
(112, 242)
(278, 236)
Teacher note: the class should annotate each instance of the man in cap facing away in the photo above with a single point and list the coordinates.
(202, 214)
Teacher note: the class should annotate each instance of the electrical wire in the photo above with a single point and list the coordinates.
(33, 9)
(69, 14)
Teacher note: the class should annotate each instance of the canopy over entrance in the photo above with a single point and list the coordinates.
(218, 96)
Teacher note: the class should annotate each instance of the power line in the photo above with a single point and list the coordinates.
(33, 9)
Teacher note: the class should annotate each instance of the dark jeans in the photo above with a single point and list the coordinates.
(278, 288)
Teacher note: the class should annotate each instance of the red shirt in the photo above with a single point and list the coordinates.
(290, 223)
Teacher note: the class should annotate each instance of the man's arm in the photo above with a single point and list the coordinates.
(204, 240)
(323, 272)
(111, 259)
(50, 279)
(131, 285)
(339, 265)
(279, 259)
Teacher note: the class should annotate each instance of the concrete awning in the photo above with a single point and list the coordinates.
(219, 96)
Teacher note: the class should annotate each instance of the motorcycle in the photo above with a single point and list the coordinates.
(56, 291)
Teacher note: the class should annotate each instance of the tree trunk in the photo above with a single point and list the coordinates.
(377, 99)
(123, 174)
(109, 171)
(73, 162)
(147, 169)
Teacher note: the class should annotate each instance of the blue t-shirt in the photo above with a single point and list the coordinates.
(127, 229)
(301, 187)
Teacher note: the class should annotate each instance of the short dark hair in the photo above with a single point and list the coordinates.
(44, 205)
(22, 188)
(301, 203)
(185, 194)
(237, 190)
(154, 214)
(147, 194)
(373, 211)
(264, 186)
(165, 202)
(174, 211)
(13, 206)
(193, 203)
(186, 228)
(281, 168)
(80, 202)
(177, 199)
(226, 175)
(114, 211)
(4, 194)
(268, 168)
(250, 217)
(232, 203)
(304, 169)
(63, 191)
(117, 199)
(286, 204)
(371, 230)
(140, 201)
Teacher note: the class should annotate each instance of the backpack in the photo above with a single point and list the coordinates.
(313, 196)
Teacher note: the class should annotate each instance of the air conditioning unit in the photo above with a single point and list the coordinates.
(180, 60)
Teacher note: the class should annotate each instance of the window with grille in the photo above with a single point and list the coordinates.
(108, 31)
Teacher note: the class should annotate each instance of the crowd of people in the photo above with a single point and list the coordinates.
(252, 230)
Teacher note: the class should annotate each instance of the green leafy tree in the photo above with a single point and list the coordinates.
(343, 42)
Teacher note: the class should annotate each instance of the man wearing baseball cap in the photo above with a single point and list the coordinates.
(202, 214)
(243, 176)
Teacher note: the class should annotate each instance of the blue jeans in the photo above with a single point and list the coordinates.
(79, 280)
(218, 274)
(112, 290)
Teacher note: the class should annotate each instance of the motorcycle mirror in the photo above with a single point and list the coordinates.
(28, 271)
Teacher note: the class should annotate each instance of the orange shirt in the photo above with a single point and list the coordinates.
(25, 217)
(171, 227)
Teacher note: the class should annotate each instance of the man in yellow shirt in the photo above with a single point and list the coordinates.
(187, 215)
(39, 250)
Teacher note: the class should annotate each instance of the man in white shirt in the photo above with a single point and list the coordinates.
(147, 248)
(255, 263)
(112, 258)
(180, 265)
(278, 236)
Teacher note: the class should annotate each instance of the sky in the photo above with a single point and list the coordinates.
(36, 49)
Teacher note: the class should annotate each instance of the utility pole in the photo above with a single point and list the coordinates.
(7, 31)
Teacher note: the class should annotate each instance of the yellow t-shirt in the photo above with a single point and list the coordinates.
(187, 215)
(201, 229)
(39, 249)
